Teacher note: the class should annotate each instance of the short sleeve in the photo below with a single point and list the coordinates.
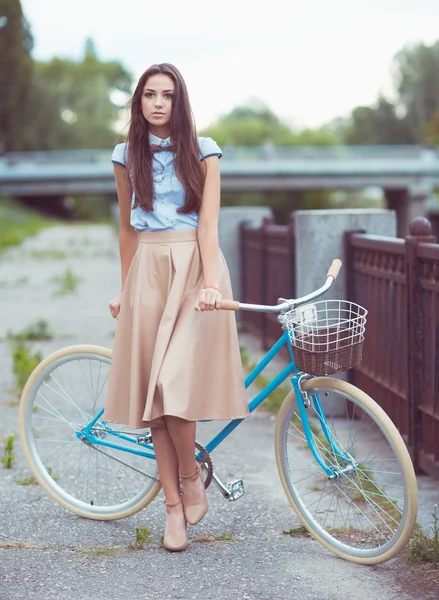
(208, 147)
(119, 155)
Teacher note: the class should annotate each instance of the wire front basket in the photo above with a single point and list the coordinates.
(327, 336)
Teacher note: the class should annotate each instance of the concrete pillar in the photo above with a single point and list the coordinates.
(408, 205)
(230, 219)
(320, 239)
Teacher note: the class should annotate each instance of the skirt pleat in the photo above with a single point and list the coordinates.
(169, 359)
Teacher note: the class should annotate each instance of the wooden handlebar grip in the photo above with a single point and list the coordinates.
(229, 305)
(334, 268)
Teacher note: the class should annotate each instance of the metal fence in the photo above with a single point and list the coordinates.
(397, 280)
(268, 273)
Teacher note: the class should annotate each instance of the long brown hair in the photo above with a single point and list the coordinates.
(188, 167)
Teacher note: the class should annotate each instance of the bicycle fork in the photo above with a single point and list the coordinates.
(341, 458)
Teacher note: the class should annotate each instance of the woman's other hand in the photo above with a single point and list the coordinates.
(208, 299)
(115, 307)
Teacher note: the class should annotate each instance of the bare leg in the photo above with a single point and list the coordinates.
(182, 433)
(167, 463)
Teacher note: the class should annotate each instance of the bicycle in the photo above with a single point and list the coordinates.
(343, 465)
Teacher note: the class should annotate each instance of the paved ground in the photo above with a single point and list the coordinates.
(48, 553)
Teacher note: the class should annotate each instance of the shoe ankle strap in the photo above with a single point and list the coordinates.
(172, 504)
(197, 470)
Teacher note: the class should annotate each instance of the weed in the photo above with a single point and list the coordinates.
(67, 282)
(17, 222)
(24, 361)
(13, 545)
(422, 547)
(143, 538)
(50, 254)
(224, 536)
(102, 551)
(297, 532)
(37, 331)
(8, 452)
(26, 481)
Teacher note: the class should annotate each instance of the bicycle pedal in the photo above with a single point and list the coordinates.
(236, 489)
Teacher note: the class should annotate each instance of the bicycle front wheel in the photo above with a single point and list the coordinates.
(367, 512)
(63, 394)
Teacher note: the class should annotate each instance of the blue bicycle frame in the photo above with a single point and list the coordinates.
(146, 449)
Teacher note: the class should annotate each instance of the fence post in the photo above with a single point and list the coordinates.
(420, 232)
(266, 222)
(349, 277)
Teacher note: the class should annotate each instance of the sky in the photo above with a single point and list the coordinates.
(309, 61)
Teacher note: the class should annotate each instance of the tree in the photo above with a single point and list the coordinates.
(411, 117)
(256, 125)
(15, 73)
(377, 125)
(75, 102)
(417, 82)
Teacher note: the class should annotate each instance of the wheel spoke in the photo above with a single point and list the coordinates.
(361, 509)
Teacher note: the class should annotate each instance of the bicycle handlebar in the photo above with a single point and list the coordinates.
(287, 304)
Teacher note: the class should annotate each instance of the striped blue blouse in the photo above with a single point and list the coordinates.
(168, 191)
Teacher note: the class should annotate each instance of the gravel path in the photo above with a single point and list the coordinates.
(48, 553)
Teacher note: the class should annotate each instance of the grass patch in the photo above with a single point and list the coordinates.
(37, 331)
(67, 282)
(102, 551)
(24, 361)
(18, 222)
(26, 481)
(224, 536)
(297, 532)
(273, 402)
(51, 254)
(13, 545)
(143, 538)
(8, 457)
(423, 547)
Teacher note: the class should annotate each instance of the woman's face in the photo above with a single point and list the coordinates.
(157, 101)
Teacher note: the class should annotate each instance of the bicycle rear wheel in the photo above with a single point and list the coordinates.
(63, 394)
(367, 513)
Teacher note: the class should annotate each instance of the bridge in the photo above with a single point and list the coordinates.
(407, 174)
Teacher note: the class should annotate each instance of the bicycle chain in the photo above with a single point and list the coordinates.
(120, 461)
(206, 460)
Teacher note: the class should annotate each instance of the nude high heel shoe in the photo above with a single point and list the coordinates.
(195, 512)
(176, 545)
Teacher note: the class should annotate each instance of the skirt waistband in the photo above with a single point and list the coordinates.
(164, 237)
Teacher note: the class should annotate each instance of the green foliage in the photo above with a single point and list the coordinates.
(8, 457)
(224, 536)
(257, 125)
(39, 330)
(24, 361)
(411, 119)
(143, 538)
(417, 82)
(67, 282)
(75, 102)
(15, 73)
(375, 125)
(18, 222)
(423, 547)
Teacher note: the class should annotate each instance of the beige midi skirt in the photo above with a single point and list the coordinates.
(169, 359)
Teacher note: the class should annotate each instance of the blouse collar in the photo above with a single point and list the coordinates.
(153, 139)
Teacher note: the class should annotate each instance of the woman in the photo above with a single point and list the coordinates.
(176, 356)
